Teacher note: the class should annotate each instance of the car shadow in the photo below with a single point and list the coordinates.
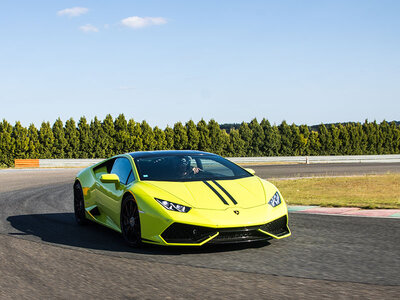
(61, 228)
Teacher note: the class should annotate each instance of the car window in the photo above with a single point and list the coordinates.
(122, 167)
(181, 167)
(216, 168)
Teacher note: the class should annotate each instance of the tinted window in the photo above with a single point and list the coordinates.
(122, 167)
(187, 168)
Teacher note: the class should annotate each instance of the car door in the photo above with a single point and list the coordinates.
(110, 194)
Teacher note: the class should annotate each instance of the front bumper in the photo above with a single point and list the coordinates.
(185, 234)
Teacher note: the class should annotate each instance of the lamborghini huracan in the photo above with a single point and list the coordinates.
(181, 198)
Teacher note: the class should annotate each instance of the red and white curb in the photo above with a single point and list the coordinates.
(346, 211)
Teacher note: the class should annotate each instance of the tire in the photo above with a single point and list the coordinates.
(79, 205)
(130, 222)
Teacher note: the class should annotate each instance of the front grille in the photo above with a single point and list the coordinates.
(237, 235)
(192, 234)
(277, 227)
(183, 233)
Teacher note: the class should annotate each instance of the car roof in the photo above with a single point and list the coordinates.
(140, 154)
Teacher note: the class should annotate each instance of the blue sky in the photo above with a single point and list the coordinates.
(305, 62)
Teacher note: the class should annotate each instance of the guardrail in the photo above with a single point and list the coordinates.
(80, 163)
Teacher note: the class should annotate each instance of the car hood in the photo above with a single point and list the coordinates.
(211, 194)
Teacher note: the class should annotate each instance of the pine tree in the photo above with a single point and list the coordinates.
(34, 145)
(98, 139)
(72, 137)
(60, 142)
(236, 144)
(297, 146)
(218, 143)
(20, 139)
(335, 137)
(304, 140)
(325, 139)
(149, 143)
(344, 137)
(180, 137)
(135, 141)
(121, 135)
(6, 144)
(314, 144)
(286, 139)
(169, 138)
(258, 139)
(193, 135)
(204, 136)
(371, 134)
(109, 135)
(85, 139)
(46, 140)
(159, 137)
(246, 135)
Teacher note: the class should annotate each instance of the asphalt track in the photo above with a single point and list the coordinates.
(44, 254)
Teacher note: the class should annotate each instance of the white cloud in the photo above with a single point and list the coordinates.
(89, 28)
(73, 12)
(139, 22)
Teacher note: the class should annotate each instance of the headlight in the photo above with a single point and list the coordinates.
(173, 206)
(275, 200)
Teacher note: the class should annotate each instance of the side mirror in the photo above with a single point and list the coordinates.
(109, 178)
(251, 171)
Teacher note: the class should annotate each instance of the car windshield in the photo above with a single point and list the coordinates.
(187, 168)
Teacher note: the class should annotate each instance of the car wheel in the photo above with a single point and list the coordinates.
(130, 222)
(79, 205)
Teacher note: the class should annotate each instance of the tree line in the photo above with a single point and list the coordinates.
(104, 138)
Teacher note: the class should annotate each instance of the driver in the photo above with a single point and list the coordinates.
(184, 169)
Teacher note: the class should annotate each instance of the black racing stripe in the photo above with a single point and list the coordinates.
(225, 191)
(216, 192)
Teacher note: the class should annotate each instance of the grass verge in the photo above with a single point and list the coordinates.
(368, 191)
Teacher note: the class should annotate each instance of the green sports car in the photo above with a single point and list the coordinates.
(186, 198)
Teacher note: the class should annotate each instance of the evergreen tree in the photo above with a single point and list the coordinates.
(98, 139)
(109, 135)
(20, 139)
(149, 143)
(6, 144)
(236, 144)
(325, 139)
(246, 135)
(193, 135)
(72, 137)
(135, 141)
(304, 140)
(204, 136)
(169, 138)
(34, 145)
(371, 133)
(344, 137)
(335, 138)
(314, 147)
(85, 139)
(297, 141)
(286, 139)
(218, 143)
(272, 139)
(60, 142)
(258, 138)
(121, 135)
(159, 137)
(180, 137)
(46, 140)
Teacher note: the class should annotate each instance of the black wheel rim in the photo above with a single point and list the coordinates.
(130, 223)
(79, 206)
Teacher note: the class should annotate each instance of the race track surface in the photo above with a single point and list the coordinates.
(44, 254)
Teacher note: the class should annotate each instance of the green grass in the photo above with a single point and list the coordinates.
(368, 191)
